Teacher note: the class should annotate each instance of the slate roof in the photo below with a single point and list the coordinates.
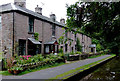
(50, 42)
(13, 7)
(34, 41)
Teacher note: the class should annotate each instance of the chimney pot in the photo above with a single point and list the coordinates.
(53, 17)
(62, 20)
(21, 3)
(38, 10)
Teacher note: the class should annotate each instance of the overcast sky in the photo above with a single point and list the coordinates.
(57, 7)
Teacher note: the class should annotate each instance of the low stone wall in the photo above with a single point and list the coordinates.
(87, 71)
(80, 56)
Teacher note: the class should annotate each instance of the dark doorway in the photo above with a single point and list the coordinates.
(92, 49)
(33, 49)
(66, 46)
(22, 47)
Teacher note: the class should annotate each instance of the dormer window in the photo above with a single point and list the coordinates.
(31, 25)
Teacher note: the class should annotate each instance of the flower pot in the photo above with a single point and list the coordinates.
(10, 71)
(16, 72)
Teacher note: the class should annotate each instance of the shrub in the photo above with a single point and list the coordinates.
(60, 50)
(28, 62)
(36, 36)
(72, 53)
(78, 52)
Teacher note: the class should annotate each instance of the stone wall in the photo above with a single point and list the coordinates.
(7, 33)
(21, 28)
(60, 32)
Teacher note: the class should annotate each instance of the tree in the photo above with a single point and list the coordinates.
(99, 47)
(99, 20)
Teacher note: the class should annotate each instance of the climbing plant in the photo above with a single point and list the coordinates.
(36, 36)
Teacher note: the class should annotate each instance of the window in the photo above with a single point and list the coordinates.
(76, 48)
(75, 37)
(72, 49)
(47, 49)
(53, 30)
(65, 47)
(66, 34)
(0, 22)
(31, 25)
(61, 47)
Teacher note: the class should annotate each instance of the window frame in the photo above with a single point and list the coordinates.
(53, 30)
(31, 24)
(66, 46)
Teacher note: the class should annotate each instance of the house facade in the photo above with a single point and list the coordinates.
(18, 26)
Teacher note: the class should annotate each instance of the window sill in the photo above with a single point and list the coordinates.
(30, 32)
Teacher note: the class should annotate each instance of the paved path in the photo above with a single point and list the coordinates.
(52, 72)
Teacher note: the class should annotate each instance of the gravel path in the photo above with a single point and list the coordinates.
(52, 72)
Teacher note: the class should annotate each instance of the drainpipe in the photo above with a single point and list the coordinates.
(13, 36)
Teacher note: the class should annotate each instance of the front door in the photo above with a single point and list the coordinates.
(22, 47)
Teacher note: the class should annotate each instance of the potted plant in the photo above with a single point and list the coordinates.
(16, 70)
(10, 71)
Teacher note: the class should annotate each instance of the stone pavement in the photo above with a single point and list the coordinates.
(53, 72)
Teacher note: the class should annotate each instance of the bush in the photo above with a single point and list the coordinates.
(72, 53)
(61, 50)
(78, 52)
(27, 61)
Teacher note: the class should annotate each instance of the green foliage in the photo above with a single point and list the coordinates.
(79, 47)
(16, 68)
(4, 63)
(78, 52)
(61, 40)
(72, 53)
(36, 36)
(99, 20)
(60, 50)
(0, 55)
(99, 47)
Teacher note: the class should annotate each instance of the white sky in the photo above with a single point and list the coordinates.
(57, 7)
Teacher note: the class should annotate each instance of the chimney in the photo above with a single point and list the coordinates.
(21, 3)
(62, 20)
(53, 17)
(38, 10)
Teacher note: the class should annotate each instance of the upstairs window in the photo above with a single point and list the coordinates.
(75, 37)
(53, 30)
(66, 46)
(0, 22)
(66, 34)
(31, 25)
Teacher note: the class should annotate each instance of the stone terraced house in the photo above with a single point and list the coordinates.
(18, 25)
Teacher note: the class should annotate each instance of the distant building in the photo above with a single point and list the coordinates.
(18, 25)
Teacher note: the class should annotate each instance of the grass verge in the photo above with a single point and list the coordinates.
(79, 69)
(95, 56)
